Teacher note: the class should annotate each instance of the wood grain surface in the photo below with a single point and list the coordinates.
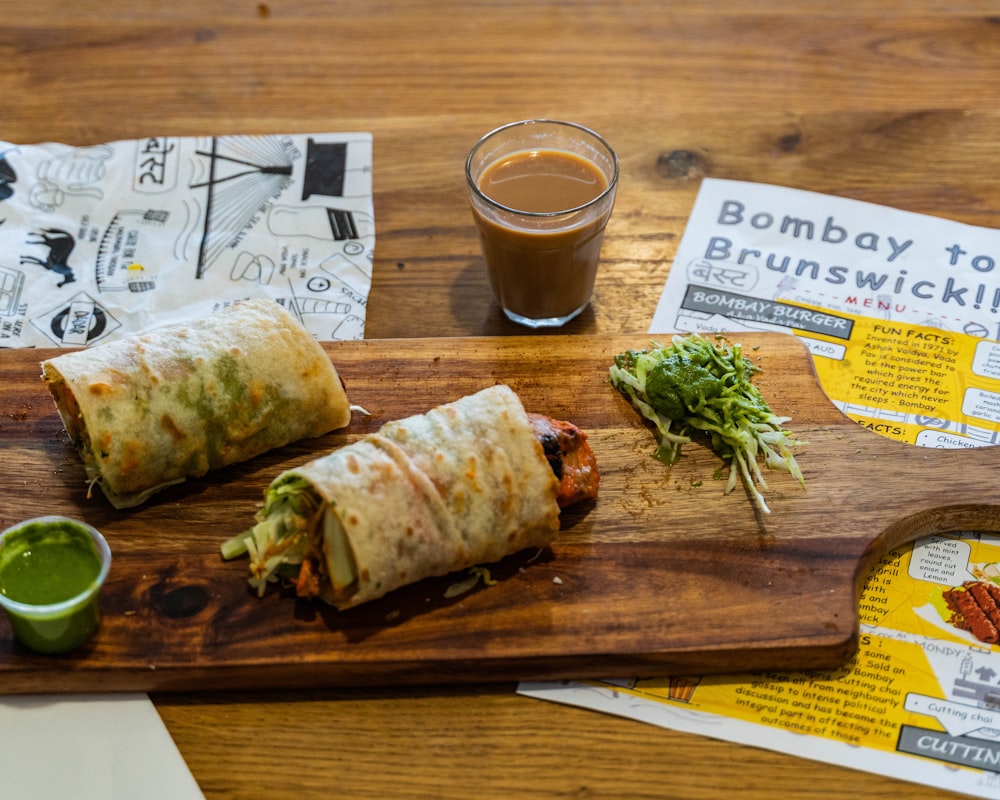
(881, 100)
(664, 574)
(892, 103)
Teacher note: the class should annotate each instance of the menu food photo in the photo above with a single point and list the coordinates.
(901, 312)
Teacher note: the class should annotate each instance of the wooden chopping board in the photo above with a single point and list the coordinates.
(664, 574)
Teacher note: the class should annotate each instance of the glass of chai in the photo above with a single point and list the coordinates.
(541, 193)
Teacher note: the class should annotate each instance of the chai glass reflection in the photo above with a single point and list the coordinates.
(542, 192)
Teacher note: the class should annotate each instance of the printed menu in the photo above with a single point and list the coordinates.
(101, 241)
(901, 313)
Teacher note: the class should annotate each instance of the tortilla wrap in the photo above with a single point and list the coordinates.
(466, 483)
(148, 411)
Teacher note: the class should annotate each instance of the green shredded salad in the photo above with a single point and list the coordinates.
(279, 541)
(693, 386)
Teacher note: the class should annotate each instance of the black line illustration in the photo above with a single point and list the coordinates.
(78, 321)
(352, 276)
(7, 175)
(76, 173)
(11, 286)
(254, 267)
(320, 222)
(260, 168)
(92, 325)
(60, 244)
(118, 265)
(326, 168)
(328, 171)
(188, 229)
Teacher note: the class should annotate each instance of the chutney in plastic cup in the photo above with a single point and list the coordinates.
(542, 192)
(51, 573)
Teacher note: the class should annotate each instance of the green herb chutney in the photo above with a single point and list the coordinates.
(51, 571)
(48, 563)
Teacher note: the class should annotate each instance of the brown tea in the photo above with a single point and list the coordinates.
(542, 181)
(542, 267)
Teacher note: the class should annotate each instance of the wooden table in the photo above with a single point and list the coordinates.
(892, 102)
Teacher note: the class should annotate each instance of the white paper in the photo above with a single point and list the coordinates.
(603, 697)
(751, 253)
(101, 747)
(102, 241)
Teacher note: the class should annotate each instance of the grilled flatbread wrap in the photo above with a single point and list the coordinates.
(464, 484)
(150, 410)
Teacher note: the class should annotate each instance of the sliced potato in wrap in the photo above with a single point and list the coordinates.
(150, 410)
(464, 484)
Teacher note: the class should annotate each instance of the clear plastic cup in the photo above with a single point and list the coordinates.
(51, 573)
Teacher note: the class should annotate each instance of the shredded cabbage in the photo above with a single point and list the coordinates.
(692, 386)
(467, 584)
(279, 541)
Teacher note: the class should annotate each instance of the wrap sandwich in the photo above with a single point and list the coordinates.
(467, 483)
(150, 410)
